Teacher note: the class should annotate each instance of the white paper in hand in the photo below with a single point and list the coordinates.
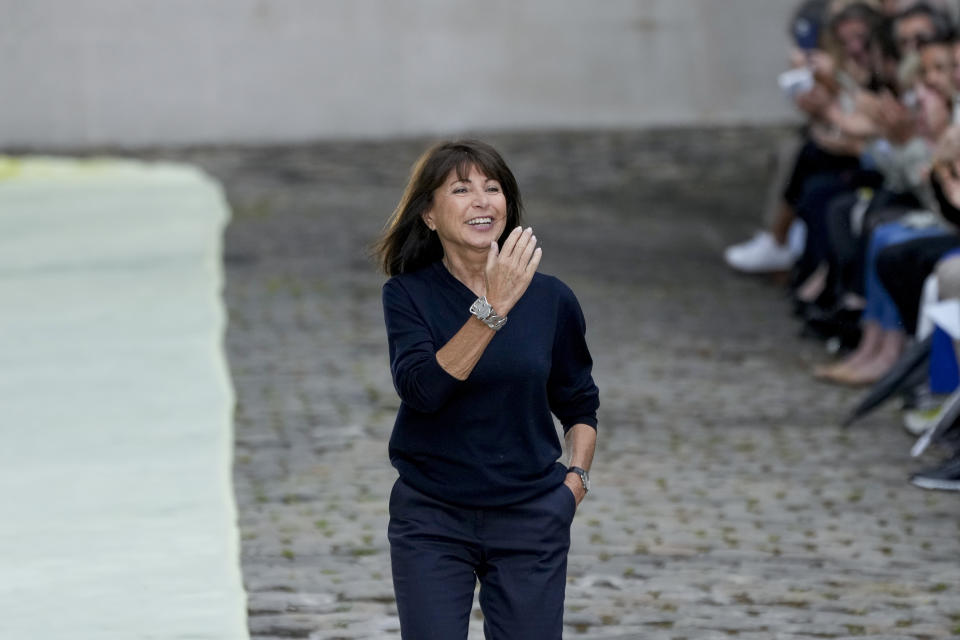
(795, 81)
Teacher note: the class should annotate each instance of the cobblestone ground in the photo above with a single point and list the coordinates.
(727, 501)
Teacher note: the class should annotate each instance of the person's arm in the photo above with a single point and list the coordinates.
(581, 443)
(856, 124)
(898, 123)
(573, 396)
(425, 376)
(420, 381)
(508, 274)
(835, 141)
(814, 102)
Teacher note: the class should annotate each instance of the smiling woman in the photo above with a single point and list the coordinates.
(409, 243)
(481, 493)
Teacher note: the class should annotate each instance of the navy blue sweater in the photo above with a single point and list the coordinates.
(489, 440)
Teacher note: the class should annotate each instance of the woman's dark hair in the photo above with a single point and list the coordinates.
(941, 22)
(857, 11)
(407, 244)
(943, 39)
(885, 40)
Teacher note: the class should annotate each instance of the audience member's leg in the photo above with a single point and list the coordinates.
(818, 194)
(778, 214)
(902, 269)
(946, 476)
(812, 161)
(768, 251)
(873, 358)
(843, 246)
(883, 207)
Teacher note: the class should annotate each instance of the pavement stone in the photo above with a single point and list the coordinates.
(727, 502)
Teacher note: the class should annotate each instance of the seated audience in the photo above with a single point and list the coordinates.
(874, 182)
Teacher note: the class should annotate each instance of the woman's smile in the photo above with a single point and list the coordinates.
(483, 223)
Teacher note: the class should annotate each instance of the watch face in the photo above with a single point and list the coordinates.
(481, 308)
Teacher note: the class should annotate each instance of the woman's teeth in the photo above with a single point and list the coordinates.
(477, 221)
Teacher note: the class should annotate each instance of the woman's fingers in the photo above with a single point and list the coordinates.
(521, 246)
(492, 256)
(527, 250)
(511, 242)
(534, 261)
(510, 269)
(516, 242)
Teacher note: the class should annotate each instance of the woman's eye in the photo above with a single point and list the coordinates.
(460, 190)
(493, 189)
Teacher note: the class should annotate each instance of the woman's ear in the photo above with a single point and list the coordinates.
(427, 217)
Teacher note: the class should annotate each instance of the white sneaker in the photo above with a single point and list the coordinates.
(916, 421)
(760, 254)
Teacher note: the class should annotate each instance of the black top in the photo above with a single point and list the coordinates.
(947, 209)
(489, 440)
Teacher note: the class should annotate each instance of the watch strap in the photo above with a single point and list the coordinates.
(584, 476)
(484, 312)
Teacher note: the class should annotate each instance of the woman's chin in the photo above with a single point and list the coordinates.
(484, 236)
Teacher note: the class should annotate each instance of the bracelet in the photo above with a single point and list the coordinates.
(485, 313)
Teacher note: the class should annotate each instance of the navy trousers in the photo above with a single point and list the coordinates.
(519, 554)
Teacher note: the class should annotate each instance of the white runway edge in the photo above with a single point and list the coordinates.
(117, 515)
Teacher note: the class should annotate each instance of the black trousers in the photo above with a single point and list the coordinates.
(811, 161)
(903, 267)
(519, 554)
(818, 179)
(847, 249)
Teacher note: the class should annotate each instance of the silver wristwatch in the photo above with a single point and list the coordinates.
(484, 312)
(584, 476)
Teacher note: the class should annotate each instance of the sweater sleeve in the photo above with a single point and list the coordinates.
(573, 396)
(420, 381)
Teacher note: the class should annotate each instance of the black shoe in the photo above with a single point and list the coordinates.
(946, 477)
(835, 315)
(834, 323)
(800, 308)
(950, 438)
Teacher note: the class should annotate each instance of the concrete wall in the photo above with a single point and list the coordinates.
(133, 72)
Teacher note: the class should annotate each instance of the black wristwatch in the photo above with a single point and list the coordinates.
(584, 477)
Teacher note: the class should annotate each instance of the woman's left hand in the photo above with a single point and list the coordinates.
(575, 484)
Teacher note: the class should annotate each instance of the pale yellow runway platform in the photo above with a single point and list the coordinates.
(117, 516)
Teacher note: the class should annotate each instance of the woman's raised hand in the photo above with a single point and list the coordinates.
(509, 270)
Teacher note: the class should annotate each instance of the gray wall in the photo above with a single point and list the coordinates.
(133, 72)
